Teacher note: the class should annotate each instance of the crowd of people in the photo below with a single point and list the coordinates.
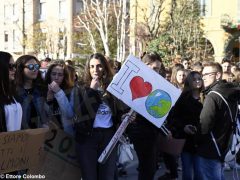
(34, 94)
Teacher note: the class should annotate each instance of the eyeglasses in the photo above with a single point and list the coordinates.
(208, 74)
(11, 66)
(33, 67)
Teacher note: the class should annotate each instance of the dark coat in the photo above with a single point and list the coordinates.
(86, 104)
(186, 111)
(215, 118)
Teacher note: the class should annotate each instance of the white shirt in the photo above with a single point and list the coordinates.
(103, 117)
(13, 116)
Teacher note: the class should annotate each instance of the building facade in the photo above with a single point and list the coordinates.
(40, 27)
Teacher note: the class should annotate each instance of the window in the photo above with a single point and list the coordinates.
(14, 9)
(14, 13)
(14, 39)
(79, 6)
(206, 7)
(42, 10)
(5, 40)
(62, 9)
(5, 36)
(7, 12)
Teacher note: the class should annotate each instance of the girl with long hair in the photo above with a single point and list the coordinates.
(30, 92)
(10, 109)
(99, 114)
(58, 96)
(185, 120)
(144, 134)
(178, 77)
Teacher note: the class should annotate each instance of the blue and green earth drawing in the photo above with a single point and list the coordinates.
(158, 103)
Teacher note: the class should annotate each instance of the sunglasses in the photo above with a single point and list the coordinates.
(11, 66)
(33, 67)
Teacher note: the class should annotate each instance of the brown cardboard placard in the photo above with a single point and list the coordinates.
(59, 160)
(20, 150)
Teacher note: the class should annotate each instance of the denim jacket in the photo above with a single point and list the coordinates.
(39, 103)
(66, 111)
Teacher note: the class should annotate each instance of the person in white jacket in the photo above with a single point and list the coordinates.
(59, 92)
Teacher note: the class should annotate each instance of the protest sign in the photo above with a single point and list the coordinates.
(20, 150)
(144, 90)
(59, 160)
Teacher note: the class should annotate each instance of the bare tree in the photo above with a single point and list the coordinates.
(96, 13)
(120, 10)
(152, 20)
(110, 19)
(83, 23)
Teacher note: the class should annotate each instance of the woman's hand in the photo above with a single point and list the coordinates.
(190, 129)
(54, 87)
(132, 117)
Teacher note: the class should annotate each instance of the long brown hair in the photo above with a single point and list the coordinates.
(174, 77)
(66, 83)
(107, 74)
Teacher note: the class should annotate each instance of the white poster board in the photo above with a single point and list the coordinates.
(144, 90)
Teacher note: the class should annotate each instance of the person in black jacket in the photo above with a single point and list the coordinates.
(215, 119)
(99, 113)
(144, 134)
(185, 120)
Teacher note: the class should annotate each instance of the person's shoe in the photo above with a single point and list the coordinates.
(226, 167)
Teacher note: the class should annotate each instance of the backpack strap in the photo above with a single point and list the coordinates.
(230, 112)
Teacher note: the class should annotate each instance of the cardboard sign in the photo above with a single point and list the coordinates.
(59, 160)
(20, 150)
(144, 90)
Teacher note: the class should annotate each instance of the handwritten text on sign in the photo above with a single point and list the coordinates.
(144, 90)
(21, 149)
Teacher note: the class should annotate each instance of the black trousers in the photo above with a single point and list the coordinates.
(89, 148)
(145, 147)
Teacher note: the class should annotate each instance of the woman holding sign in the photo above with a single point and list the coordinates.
(99, 113)
(10, 109)
(144, 134)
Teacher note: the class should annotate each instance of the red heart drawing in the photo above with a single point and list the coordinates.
(140, 88)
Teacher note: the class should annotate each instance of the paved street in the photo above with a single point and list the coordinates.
(132, 172)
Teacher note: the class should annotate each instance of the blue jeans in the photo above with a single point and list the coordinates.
(190, 169)
(210, 169)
